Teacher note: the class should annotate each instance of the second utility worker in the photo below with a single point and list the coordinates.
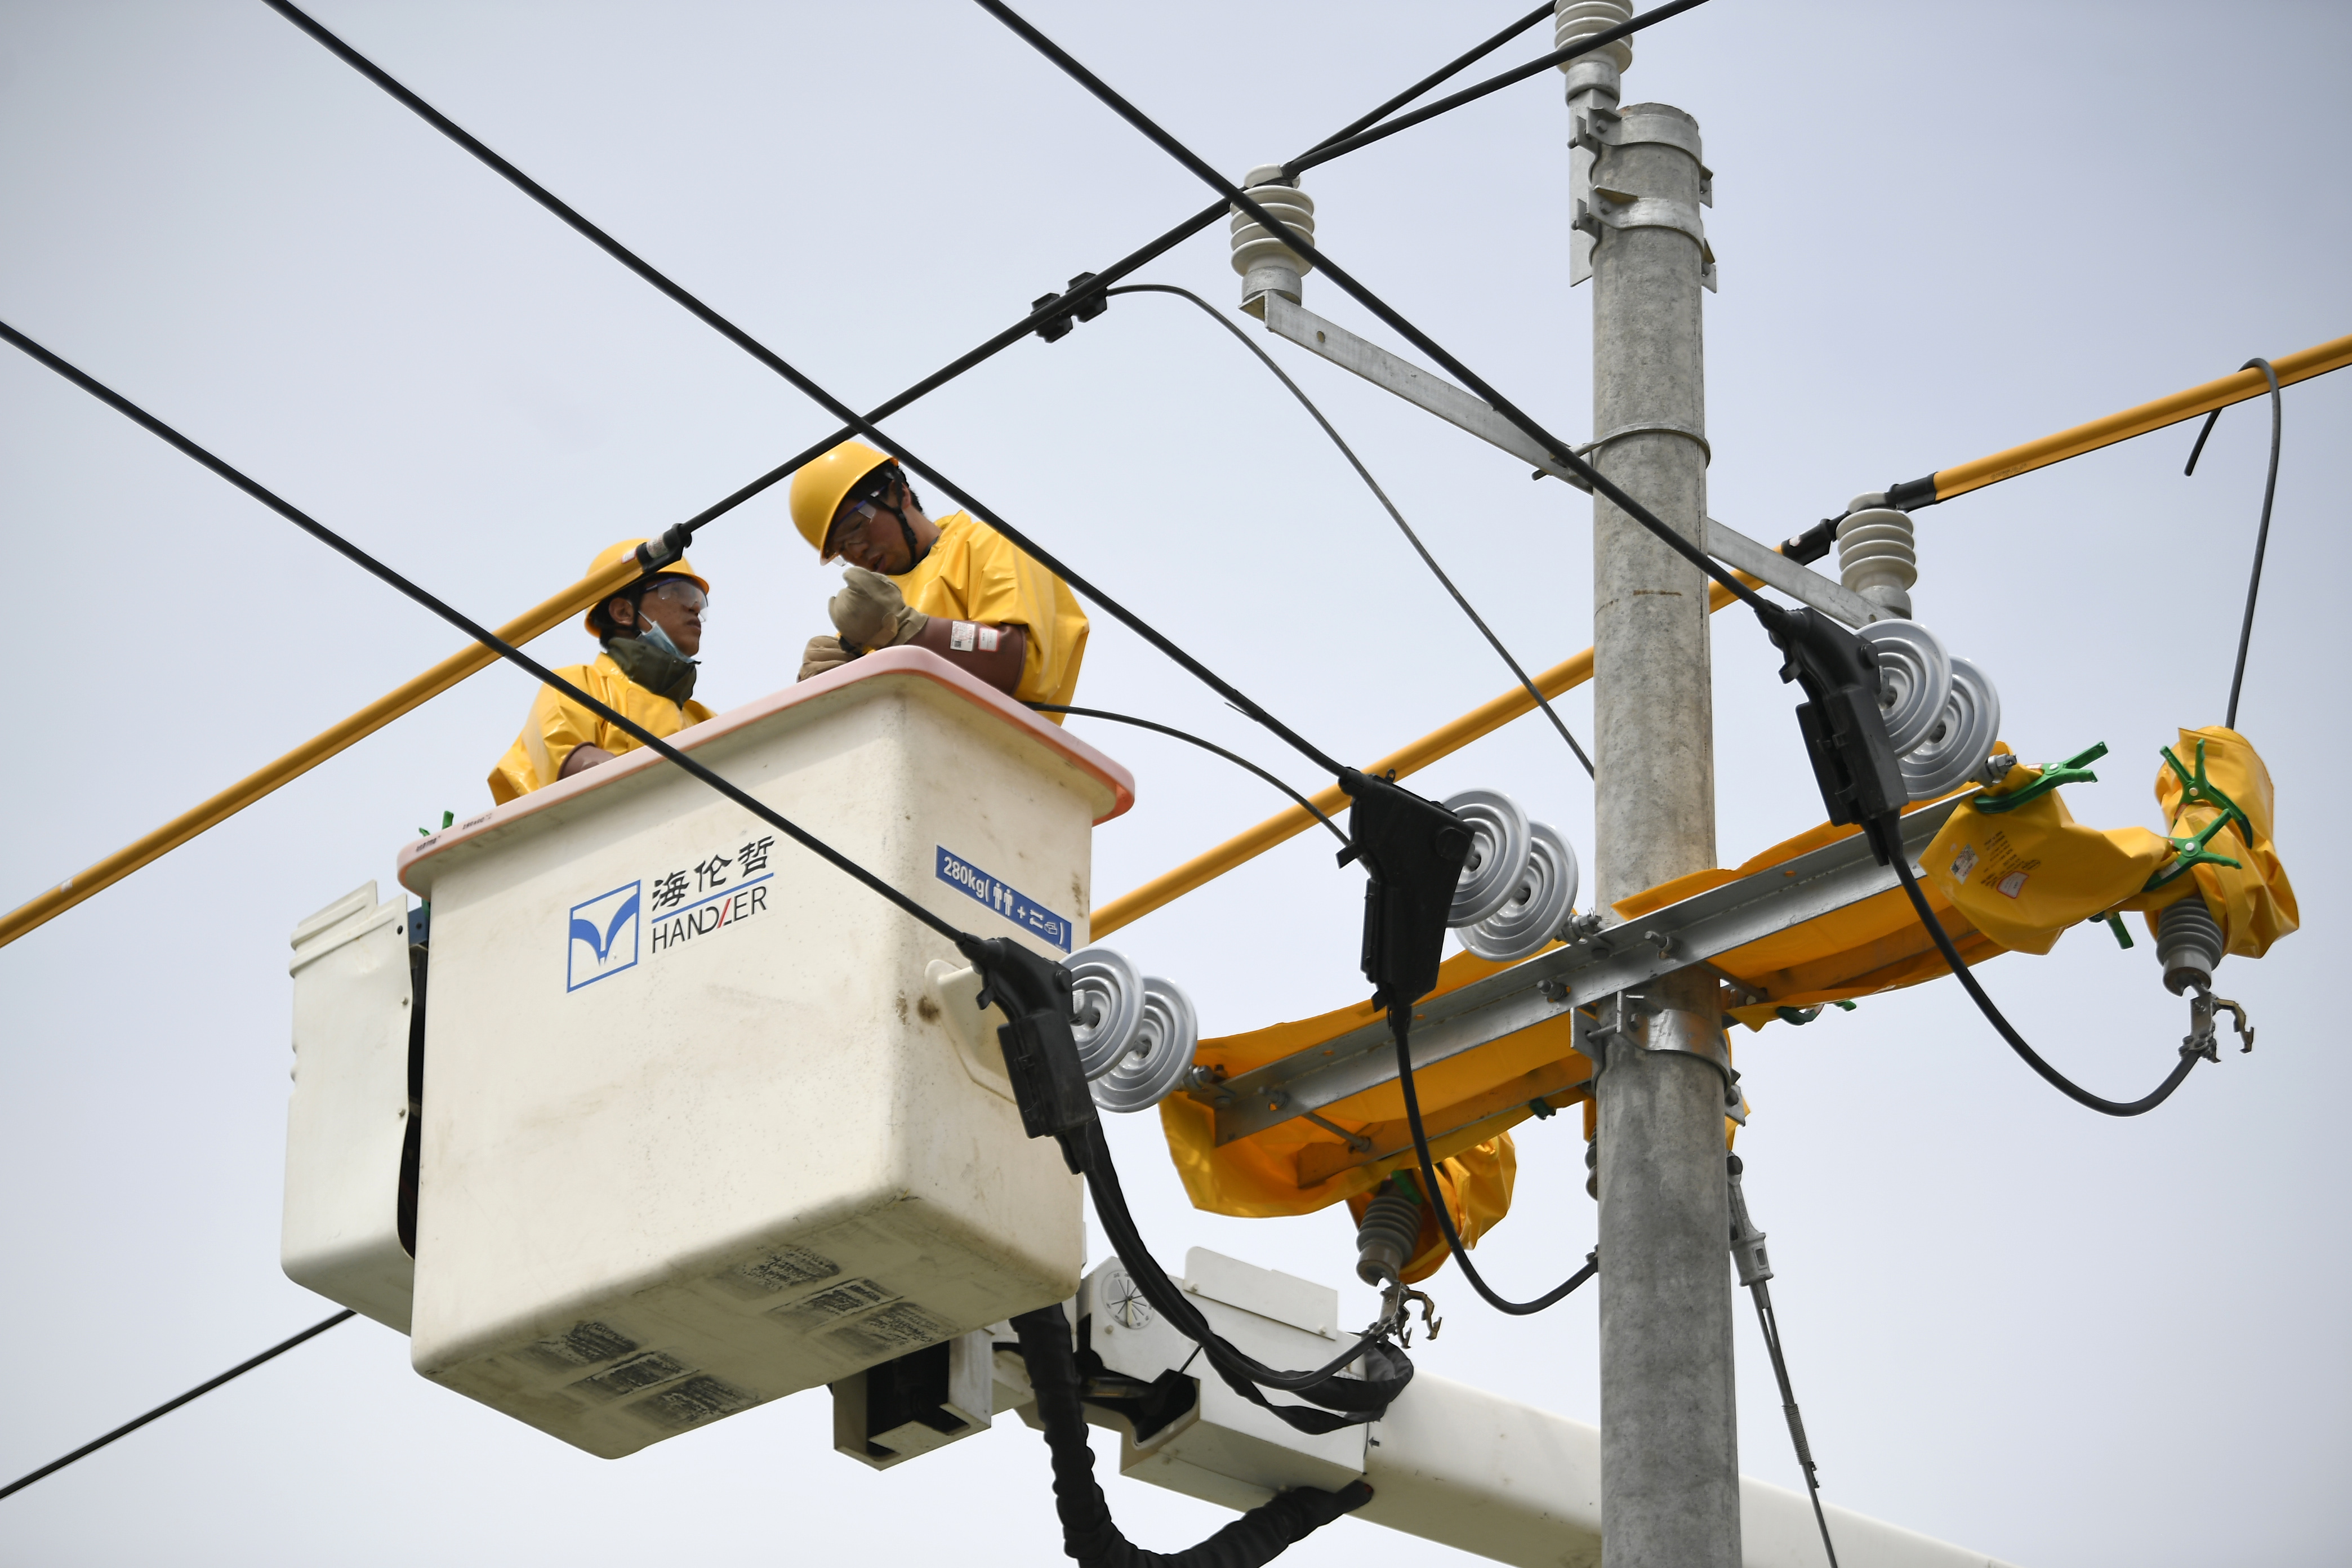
(956, 587)
(650, 630)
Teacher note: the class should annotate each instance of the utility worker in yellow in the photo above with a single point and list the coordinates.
(956, 586)
(651, 630)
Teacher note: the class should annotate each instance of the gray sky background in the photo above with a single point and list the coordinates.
(1943, 230)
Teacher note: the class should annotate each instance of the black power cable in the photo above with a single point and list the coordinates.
(1378, 494)
(1340, 146)
(1239, 761)
(127, 1427)
(1054, 1093)
(1400, 1030)
(2262, 534)
(807, 387)
(964, 940)
(2189, 1056)
(1560, 451)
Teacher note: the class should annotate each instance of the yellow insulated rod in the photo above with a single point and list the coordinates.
(532, 622)
(1944, 483)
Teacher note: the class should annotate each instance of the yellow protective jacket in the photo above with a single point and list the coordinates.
(975, 574)
(557, 725)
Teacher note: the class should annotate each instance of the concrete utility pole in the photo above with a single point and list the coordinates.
(1669, 1441)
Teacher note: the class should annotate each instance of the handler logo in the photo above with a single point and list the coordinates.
(603, 940)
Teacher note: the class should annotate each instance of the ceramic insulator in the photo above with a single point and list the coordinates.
(1266, 265)
(2188, 944)
(1574, 19)
(1878, 555)
(1386, 1238)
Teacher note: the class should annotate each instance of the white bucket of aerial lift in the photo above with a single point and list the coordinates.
(349, 1113)
(695, 1135)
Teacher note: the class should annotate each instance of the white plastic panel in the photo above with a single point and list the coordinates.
(697, 1131)
(349, 1111)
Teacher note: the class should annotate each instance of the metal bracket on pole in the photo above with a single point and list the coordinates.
(1625, 1024)
(1600, 208)
(1415, 385)
(1437, 395)
(1585, 971)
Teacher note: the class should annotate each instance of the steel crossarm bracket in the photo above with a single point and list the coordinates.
(1437, 395)
(1577, 975)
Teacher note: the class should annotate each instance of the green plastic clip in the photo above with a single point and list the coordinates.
(2114, 922)
(2074, 769)
(446, 818)
(2196, 789)
(1544, 1109)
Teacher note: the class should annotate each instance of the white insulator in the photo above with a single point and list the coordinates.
(1878, 556)
(1574, 19)
(1539, 901)
(1107, 1007)
(1160, 1055)
(1959, 742)
(1266, 265)
(1914, 680)
(1498, 854)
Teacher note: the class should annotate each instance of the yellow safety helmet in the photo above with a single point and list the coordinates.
(820, 487)
(613, 552)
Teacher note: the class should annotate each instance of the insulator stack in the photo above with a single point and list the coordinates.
(1386, 1238)
(2187, 944)
(1266, 265)
(1878, 555)
(1574, 19)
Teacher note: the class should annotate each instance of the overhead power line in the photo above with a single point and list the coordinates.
(1560, 451)
(210, 813)
(807, 385)
(127, 1427)
(1342, 145)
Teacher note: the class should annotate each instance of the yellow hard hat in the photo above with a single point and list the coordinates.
(819, 488)
(613, 552)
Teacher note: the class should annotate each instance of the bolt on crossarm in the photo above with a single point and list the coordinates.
(1669, 1447)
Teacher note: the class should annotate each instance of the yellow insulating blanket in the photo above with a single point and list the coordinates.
(2023, 877)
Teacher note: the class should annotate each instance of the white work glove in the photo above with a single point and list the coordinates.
(821, 654)
(871, 612)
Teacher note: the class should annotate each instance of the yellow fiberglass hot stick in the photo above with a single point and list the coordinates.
(1944, 483)
(1483, 720)
(532, 622)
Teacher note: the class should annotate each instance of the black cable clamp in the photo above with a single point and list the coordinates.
(1855, 763)
(1041, 1053)
(1413, 850)
(1083, 306)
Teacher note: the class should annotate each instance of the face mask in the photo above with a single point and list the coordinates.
(649, 632)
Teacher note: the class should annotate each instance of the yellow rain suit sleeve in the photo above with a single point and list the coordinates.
(975, 574)
(2252, 901)
(558, 725)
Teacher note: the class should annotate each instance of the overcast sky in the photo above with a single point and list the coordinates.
(2015, 1324)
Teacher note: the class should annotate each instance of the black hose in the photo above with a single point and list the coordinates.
(1380, 495)
(1361, 1399)
(2033, 1058)
(1401, 1028)
(2262, 534)
(1088, 1534)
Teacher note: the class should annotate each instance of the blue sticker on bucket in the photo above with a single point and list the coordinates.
(1005, 899)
